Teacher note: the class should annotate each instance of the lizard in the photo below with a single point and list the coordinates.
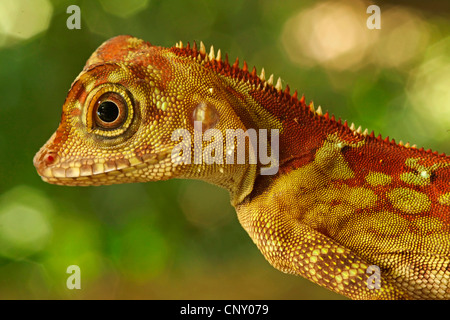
(361, 215)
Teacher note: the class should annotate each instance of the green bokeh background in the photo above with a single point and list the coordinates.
(176, 239)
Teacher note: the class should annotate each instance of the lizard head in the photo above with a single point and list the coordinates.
(120, 115)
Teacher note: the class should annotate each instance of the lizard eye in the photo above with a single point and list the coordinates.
(110, 111)
(107, 112)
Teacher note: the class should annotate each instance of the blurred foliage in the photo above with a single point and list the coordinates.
(181, 239)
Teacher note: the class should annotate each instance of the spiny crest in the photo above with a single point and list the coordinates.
(222, 66)
(199, 53)
(214, 60)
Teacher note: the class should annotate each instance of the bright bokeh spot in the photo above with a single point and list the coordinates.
(403, 37)
(23, 19)
(429, 91)
(124, 9)
(24, 225)
(334, 34)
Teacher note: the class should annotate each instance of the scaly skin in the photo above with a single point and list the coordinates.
(341, 202)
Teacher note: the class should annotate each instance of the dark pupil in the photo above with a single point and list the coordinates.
(108, 111)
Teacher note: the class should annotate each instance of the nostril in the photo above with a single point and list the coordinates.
(49, 159)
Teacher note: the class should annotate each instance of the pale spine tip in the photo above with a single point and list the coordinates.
(202, 48)
(352, 127)
(270, 81)
(262, 76)
(319, 111)
(359, 130)
(279, 86)
(212, 56)
(219, 55)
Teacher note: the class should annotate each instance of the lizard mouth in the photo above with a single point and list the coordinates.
(152, 166)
